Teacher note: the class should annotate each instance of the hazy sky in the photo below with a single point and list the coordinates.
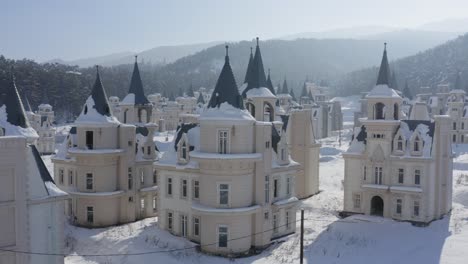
(46, 29)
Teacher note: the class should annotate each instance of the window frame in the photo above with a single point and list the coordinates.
(400, 175)
(223, 141)
(196, 226)
(357, 201)
(228, 193)
(169, 186)
(90, 213)
(183, 188)
(170, 220)
(218, 233)
(89, 177)
(399, 206)
(378, 175)
(196, 189)
(417, 176)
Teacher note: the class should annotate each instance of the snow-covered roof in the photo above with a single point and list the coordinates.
(382, 91)
(15, 130)
(425, 130)
(226, 112)
(90, 116)
(260, 92)
(129, 99)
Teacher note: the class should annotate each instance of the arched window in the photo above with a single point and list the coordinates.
(125, 116)
(268, 114)
(183, 149)
(251, 108)
(142, 116)
(395, 112)
(463, 125)
(379, 111)
(417, 144)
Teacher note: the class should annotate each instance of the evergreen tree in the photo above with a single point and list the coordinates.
(393, 81)
(292, 94)
(200, 100)
(190, 92)
(304, 91)
(407, 91)
(458, 82)
(310, 95)
(172, 97)
(285, 87)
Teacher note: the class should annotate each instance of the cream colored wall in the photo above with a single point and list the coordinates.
(103, 137)
(241, 136)
(106, 211)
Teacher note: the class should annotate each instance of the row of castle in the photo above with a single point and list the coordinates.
(232, 177)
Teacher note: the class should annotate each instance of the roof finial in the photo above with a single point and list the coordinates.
(257, 41)
(136, 58)
(268, 71)
(227, 50)
(251, 50)
(385, 45)
(97, 69)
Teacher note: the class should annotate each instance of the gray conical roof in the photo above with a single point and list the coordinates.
(248, 73)
(384, 71)
(136, 86)
(270, 84)
(226, 88)
(285, 87)
(99, 96)
(304, 90)
(14, 106)
(257, 77)
(200, 100)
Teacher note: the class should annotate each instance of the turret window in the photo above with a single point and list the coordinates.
(223, 190)
(379, 111)
(223, 138)
(89, 140)
(400, 143)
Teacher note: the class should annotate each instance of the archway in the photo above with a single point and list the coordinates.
(268, 114)
(377, 206)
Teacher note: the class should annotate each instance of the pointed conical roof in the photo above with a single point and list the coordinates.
(16, 115)
(256, 78)
(285, 87)
(293, 96)
(310, 95)
(248, 73)
(384, 71)
(99, 96)
(270, 84)
(136, 86)
(200, 100)
(304, 90)
(226, 88)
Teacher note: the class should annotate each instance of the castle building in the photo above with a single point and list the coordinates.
(228, 182)
(43, 122)
(106, 165)
(400, 169)
(32, 208)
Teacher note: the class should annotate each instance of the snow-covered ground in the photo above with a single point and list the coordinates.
(328, 239)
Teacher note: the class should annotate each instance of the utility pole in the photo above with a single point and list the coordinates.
(302, 237)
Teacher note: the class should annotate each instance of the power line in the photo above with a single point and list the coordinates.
(148, 252)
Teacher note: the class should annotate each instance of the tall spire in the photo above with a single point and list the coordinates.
(257, 77)
(226, 88)
(99, 96)
(27, 105)
(248, 73)
(136, 86)
(285, 86)
(16, 115)
(304, 90)
(200, 100)
(270, 84)
(384, 71)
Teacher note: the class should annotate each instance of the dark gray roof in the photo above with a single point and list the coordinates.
(136, 86)
(73, 130)
(142, 130)
(256, 78)
(362, 136)
(269, 84)
(304, 91)
(99, 96)
(384, 71)
(14, 106)
(285, 87)
(200, 100)
(182, 129)
(412, 124)
(45, 175)
(226, 88)
(249, 67)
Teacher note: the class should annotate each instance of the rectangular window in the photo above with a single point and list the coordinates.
(266, 215)
(169, 220)
(222, 236)
(183, 225)
(267, 144)
(288, 225)
(275, 223)
(196, 189)
(184, 189)
(267, 189)
(169, 186)
(89, 181)
(155, 204)
(89, 139)
(365, 173)
(400, 145)
(416, 208)
(378, 175)
(155, 177)
(416, 145)
(399, 203)
(142, 205)
(90, 214)
(288, 185)
(61, 176)
(196, 226)
(275, 188)
(223, 194)
(401, 175)
(357, 201)
(142, 177)
(454, 126)
(417, 177)
(283, 154)
(148, 150)
(130, 179)
(130, 199)
(70, 177)
(222, 141)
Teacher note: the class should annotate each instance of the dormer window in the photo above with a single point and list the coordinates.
(183, 150)
(400, 143)
(417, 145)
